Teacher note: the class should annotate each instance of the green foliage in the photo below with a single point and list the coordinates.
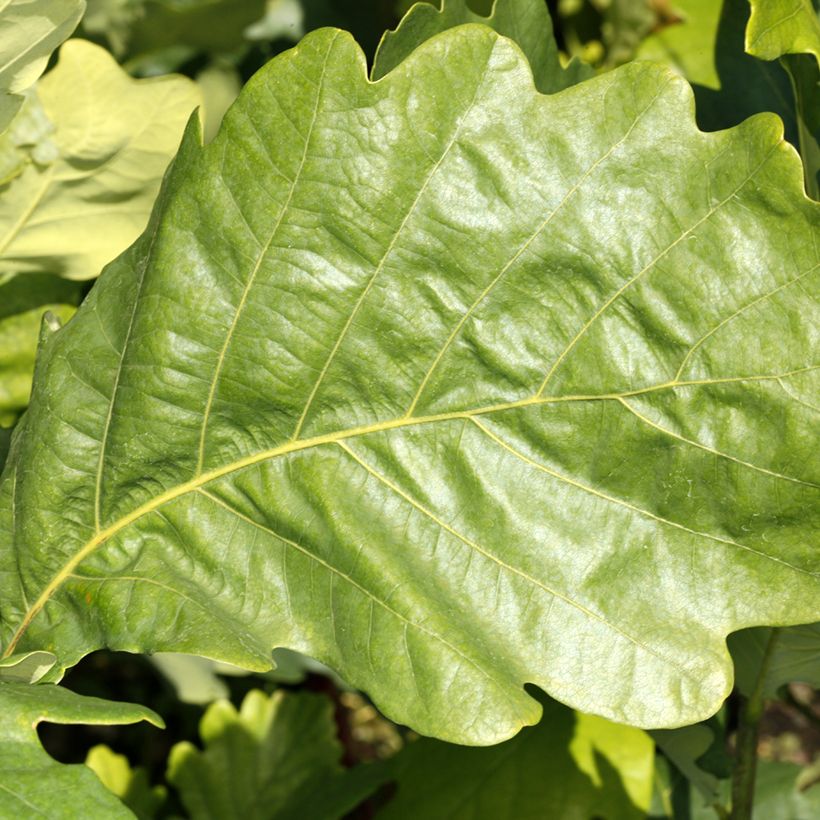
(33, 781)
(796, 657)
(525, 21)
(451, 385)
(130, 785)
(23, 302)
(790, 29)
(779, 27)
(277, 757)
(574, 473)
(29, 31)
(577, 767)
(71, 211)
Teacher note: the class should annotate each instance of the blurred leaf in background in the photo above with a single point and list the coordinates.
(30, 30)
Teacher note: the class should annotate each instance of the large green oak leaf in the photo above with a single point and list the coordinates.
(448, 384)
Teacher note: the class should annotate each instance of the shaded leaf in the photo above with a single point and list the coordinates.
(114, 138)
(276, 758)
(527, 22)
(571, 766)
(795, 657)
(23, 302)
(131, 785)
(28, 667)
(30, 30)
(442, 384)
(626, 23)
(684, 747)
(33, 782)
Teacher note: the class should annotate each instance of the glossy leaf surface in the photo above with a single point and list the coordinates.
(71, 212)
(444, 386)
(34, 784)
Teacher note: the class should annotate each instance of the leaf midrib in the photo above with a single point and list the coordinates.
(332, 438)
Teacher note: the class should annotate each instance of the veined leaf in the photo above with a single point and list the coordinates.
(778, 27)
(30, 30)
(114, 136)
(277, 758)
(444, 385)
(707, 48)
(577, 767)
(527, 22)
(31, 780)
(790, 29)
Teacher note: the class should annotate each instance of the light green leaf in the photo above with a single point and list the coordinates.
(31, 782)
(219, 84)
(795, 656)
(23, 302)
(790, 29)
(570, 766)
(689, 46)
(131, 785)
(30, 30)
(28, 667)
(527, 22)
(730, 85)
(276, 758)
(778, 27)
(445, 385)
(115, 137)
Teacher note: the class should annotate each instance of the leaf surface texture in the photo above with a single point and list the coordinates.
(445, 386)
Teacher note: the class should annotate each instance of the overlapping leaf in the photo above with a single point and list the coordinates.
(569, 766)
(30, 30)
(448, 384)
(790, 29)
(71, 210)
(275, 758)
(34, 784)
(23, 302)
(527, 22)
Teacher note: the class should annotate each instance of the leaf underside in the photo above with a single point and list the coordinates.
(444, 385)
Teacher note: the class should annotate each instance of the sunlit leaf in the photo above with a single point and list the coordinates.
(70, 213)
(30, 30)
(130, 785)
(275, 758)
(446, 386)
